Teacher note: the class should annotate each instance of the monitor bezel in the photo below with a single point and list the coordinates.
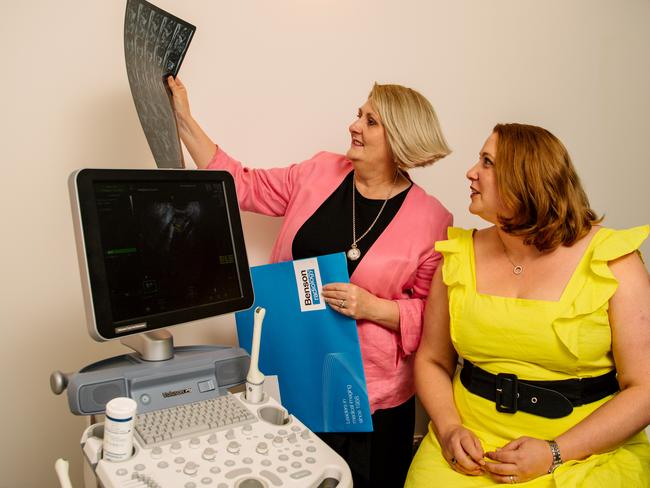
(101, 325)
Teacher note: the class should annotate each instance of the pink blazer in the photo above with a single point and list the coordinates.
(399, 265)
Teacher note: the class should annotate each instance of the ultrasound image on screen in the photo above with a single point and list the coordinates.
(165, 246)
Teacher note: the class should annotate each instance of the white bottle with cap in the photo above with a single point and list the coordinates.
(118, 429)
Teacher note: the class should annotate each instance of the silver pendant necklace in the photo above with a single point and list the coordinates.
(354, 252)
(517, 269)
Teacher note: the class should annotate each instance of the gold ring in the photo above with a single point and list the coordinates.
(452, 461)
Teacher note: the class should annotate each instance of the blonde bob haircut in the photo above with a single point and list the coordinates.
(412, 128)
(538, 183)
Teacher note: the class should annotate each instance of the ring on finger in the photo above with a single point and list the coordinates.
(512, 479)
(342, 304)
(452, 461)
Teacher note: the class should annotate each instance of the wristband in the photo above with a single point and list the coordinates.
(557, 457)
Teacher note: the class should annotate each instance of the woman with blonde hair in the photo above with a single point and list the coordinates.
(550, 314)
(365, 204)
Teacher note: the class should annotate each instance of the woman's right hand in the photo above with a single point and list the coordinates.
(462, 450)
(180, 100)
(197, 142)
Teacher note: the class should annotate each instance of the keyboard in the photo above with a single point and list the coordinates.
(192, 419)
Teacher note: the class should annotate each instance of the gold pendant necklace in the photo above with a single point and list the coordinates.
(354, 252)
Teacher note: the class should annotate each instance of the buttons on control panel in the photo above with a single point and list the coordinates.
(207, 385)
(255, 453)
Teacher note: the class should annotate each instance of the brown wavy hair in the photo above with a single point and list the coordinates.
(537, 181)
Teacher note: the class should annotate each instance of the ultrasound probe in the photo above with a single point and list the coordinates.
(255, 378)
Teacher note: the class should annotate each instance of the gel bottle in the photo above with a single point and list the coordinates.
(118, 429)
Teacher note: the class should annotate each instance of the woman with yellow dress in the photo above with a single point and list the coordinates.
(550, 314)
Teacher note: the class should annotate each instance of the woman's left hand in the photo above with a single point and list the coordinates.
(348, 299)
(520, 460)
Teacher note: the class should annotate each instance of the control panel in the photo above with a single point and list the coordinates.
(270, 449)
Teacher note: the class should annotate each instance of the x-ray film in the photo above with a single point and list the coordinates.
(155, 43)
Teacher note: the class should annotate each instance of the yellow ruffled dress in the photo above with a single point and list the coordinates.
(536, 340)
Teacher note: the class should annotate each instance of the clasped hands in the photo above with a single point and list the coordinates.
(520, 460)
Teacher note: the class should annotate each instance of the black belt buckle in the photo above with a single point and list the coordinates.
(507, 392)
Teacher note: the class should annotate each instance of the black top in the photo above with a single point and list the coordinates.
(329, 229)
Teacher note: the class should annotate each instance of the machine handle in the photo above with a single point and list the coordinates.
(58, 382)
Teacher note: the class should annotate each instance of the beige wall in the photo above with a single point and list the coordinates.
(274, 82)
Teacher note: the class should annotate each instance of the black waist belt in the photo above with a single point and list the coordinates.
(550, 399)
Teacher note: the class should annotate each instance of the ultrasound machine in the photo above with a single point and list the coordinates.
(158, 248)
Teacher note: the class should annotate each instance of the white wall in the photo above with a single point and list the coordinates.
(275, 82)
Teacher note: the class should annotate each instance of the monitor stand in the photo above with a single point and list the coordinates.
(157, 345)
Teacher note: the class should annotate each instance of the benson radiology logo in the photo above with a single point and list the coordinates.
(309, 285)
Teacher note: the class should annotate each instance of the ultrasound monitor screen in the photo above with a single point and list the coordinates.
(161, 247)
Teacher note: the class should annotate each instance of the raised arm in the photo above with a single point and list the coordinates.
(197, 142)
(435, 364)
(258, 190)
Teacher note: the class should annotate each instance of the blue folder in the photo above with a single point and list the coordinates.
(313, 349)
